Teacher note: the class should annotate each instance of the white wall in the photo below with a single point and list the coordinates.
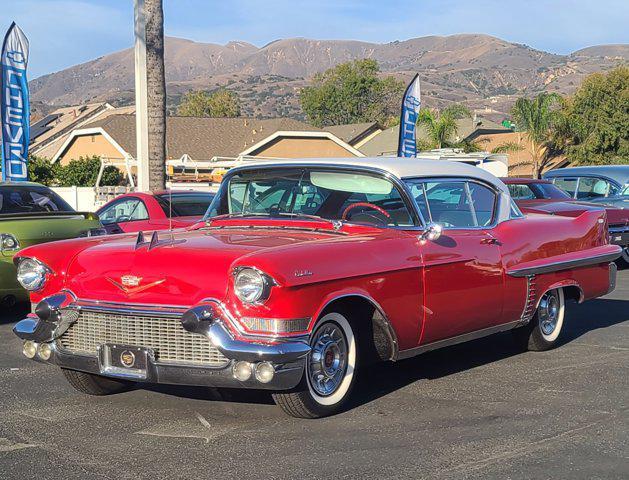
(82, 199)
(85, 199)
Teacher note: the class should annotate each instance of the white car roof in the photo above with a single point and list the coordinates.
(399, 167)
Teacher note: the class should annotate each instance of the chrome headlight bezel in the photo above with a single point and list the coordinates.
(9, 243)
(251, 285)
(32, 274)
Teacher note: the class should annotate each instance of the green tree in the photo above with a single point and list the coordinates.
(197, 103)
(41, 170)
(442, 126)
(352, 92)
(595, 128)
(538, 118)
(84, 173)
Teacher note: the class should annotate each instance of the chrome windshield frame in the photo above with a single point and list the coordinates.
(403, 190)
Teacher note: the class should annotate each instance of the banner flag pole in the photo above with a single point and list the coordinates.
(14, 106)
(411, 103)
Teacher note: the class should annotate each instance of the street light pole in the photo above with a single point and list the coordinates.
(141, 98)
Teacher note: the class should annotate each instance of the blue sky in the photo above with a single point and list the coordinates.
(65, 32)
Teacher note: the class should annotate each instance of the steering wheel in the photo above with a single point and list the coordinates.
(367, 205)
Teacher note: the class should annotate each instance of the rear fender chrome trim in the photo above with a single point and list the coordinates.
(564, 265)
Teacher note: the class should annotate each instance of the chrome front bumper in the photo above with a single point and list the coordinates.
(288, 356)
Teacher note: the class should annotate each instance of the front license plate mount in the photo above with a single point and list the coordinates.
(124, 361)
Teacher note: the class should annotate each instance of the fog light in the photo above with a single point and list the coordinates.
(264, 372)
(29, 349)
(242, 371)
(45, 351)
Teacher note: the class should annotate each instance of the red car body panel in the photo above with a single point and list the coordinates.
(427, 291)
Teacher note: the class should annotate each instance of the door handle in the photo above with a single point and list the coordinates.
(490, 241)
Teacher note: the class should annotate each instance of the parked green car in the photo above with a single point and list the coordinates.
(30, 214)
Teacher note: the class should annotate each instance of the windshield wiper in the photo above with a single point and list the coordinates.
(336, 224)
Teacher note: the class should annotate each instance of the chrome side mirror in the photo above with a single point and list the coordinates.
(431, 232)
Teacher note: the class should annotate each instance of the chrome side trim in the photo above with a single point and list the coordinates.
(530, 301)
(565, 264)
(466, 337)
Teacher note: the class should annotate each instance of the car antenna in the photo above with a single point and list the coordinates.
(170, 204)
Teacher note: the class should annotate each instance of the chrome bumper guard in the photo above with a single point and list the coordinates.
(55, 314)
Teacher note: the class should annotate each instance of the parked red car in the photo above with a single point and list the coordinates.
(136, 212)
(304, 271)
(542, 196)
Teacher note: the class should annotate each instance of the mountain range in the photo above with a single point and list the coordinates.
(484, 72)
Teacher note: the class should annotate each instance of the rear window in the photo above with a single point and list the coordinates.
(30, 199)
(185, 204)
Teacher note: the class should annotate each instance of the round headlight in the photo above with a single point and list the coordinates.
(251, 286)
(31, 274)
(8, 242)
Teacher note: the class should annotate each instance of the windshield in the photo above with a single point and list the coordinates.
(531, 191)
(30, 199)
(305, 192)
(185, 204)
(625, 191)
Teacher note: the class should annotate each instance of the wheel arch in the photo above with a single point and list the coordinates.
(384, 338)
(571, 290)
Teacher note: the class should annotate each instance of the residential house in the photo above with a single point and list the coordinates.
(203, 139)
(50, 132)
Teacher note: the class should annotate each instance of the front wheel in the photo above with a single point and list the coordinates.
(543, 332)
(329, 374)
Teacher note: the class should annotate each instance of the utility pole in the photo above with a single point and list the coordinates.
(141, 98)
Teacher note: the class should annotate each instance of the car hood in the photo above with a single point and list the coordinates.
(180, 268)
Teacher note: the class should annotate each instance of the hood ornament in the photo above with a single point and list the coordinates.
(130, 284)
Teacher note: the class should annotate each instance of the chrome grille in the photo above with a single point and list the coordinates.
(170, 342)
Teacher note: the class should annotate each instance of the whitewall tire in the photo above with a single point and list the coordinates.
(544, 330)
(330, 370)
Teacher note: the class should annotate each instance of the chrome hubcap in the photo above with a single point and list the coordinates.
(327, 363)
(548, 313)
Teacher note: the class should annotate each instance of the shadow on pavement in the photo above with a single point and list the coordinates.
(379, 380)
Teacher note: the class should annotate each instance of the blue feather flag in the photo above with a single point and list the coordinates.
(14, 106)
(407, 145)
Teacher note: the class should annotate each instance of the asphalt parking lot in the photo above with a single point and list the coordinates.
(483, 409)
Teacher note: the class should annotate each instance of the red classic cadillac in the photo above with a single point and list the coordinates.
(303, 272)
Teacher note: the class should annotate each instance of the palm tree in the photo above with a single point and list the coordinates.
(156, 86)
(441, 127)
(538, 118)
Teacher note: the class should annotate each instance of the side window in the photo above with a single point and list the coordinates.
(521, 192)
(483, 203)
(591, 187)
(127, 210)
(515, 211)
(567, 184)
(455, 204)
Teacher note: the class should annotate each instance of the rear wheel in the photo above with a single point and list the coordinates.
(544, 330)
(330, 371)
(95, 384)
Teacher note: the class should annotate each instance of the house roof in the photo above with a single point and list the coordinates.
(386, 142)
(57, 125)
(352, 132)
(200, 138)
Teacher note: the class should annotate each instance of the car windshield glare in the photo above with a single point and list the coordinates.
(299, 193)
